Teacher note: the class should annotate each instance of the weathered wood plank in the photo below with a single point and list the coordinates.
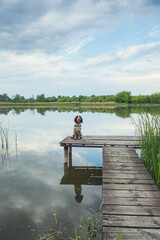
(131, 210)
(131, 233)
(100, 142)
(131, 221)
(124, 167)
(112, 171)
(125, 175)
(96, 137)
(128, 181)
(141, 187)
(117, 150)
(122, 159)
(131, 201)
(111, 137)
(122, 164)
(131, 193)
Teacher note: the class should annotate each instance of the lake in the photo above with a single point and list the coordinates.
(31, 173)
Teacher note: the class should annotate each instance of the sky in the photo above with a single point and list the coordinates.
(79, 47)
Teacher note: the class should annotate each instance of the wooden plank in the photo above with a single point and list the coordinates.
(142, 187)
(131, 230)
(99, 139)
(131, 210)
(109, 137)
(123, 164)
(100, 142)
(121, 158)
(131, 233)
(131, 166)
(129, 236)
(131, 193)
(130, 201)
(117, 150)
(125, 168)
(125, 154)
(131, 221)
(128, 181)
(125, 175)
(112, 171)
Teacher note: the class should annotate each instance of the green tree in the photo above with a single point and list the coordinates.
(123, 97)
(41, 98)
(4, 98)
(18, 98)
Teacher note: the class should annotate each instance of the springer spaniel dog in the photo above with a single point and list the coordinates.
(77, 128)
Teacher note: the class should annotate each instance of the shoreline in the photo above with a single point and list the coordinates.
(75, 105)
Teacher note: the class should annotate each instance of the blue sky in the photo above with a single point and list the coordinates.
(83, 47)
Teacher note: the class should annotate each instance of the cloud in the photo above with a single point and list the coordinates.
(52, 25)
(75, 47)
(155, 32)
(123, 66)
(138, 50)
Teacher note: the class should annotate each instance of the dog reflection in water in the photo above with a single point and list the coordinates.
(77, 128)
(78, 190)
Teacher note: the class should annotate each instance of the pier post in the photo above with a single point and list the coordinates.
(65, 154)
(70, 156)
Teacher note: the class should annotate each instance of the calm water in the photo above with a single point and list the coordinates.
(30, 176)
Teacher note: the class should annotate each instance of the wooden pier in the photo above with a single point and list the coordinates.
(130, 198)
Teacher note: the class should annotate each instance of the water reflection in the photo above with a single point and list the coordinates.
(30, 189)
(122, 112)
(30, 192)
(81, 175)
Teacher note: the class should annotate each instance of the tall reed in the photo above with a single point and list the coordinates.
(5, 150)
(148, 128)
(4, 137)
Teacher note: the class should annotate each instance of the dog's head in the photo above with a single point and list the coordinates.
(78, 119)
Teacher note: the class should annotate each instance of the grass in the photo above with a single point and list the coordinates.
(88, 226)
(73, 104)
(4, 137)
(148, 128)
(4, 145)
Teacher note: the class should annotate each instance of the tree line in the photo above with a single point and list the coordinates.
(121, 97)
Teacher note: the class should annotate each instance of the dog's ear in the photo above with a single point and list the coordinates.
(75, 119)
(81, 119)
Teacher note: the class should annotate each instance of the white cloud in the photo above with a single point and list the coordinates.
(138, 50)
(155, 32)
(51, 25)
(76, 48)
(57, 47)
(99, 59)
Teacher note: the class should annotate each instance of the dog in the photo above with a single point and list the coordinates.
(77, 128)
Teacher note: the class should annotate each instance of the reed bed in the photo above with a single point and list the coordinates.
(5, 140)
(4, 137)
(148, 128)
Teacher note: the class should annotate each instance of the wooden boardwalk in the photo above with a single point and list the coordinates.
(130, 198)
(101, 141)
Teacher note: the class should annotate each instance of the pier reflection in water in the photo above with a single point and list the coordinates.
(81, 175)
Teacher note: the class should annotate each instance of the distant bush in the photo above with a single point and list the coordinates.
(121, 97)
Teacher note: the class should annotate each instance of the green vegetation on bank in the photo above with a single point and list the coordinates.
(148, 128)
(121, 97)
(90, 229)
